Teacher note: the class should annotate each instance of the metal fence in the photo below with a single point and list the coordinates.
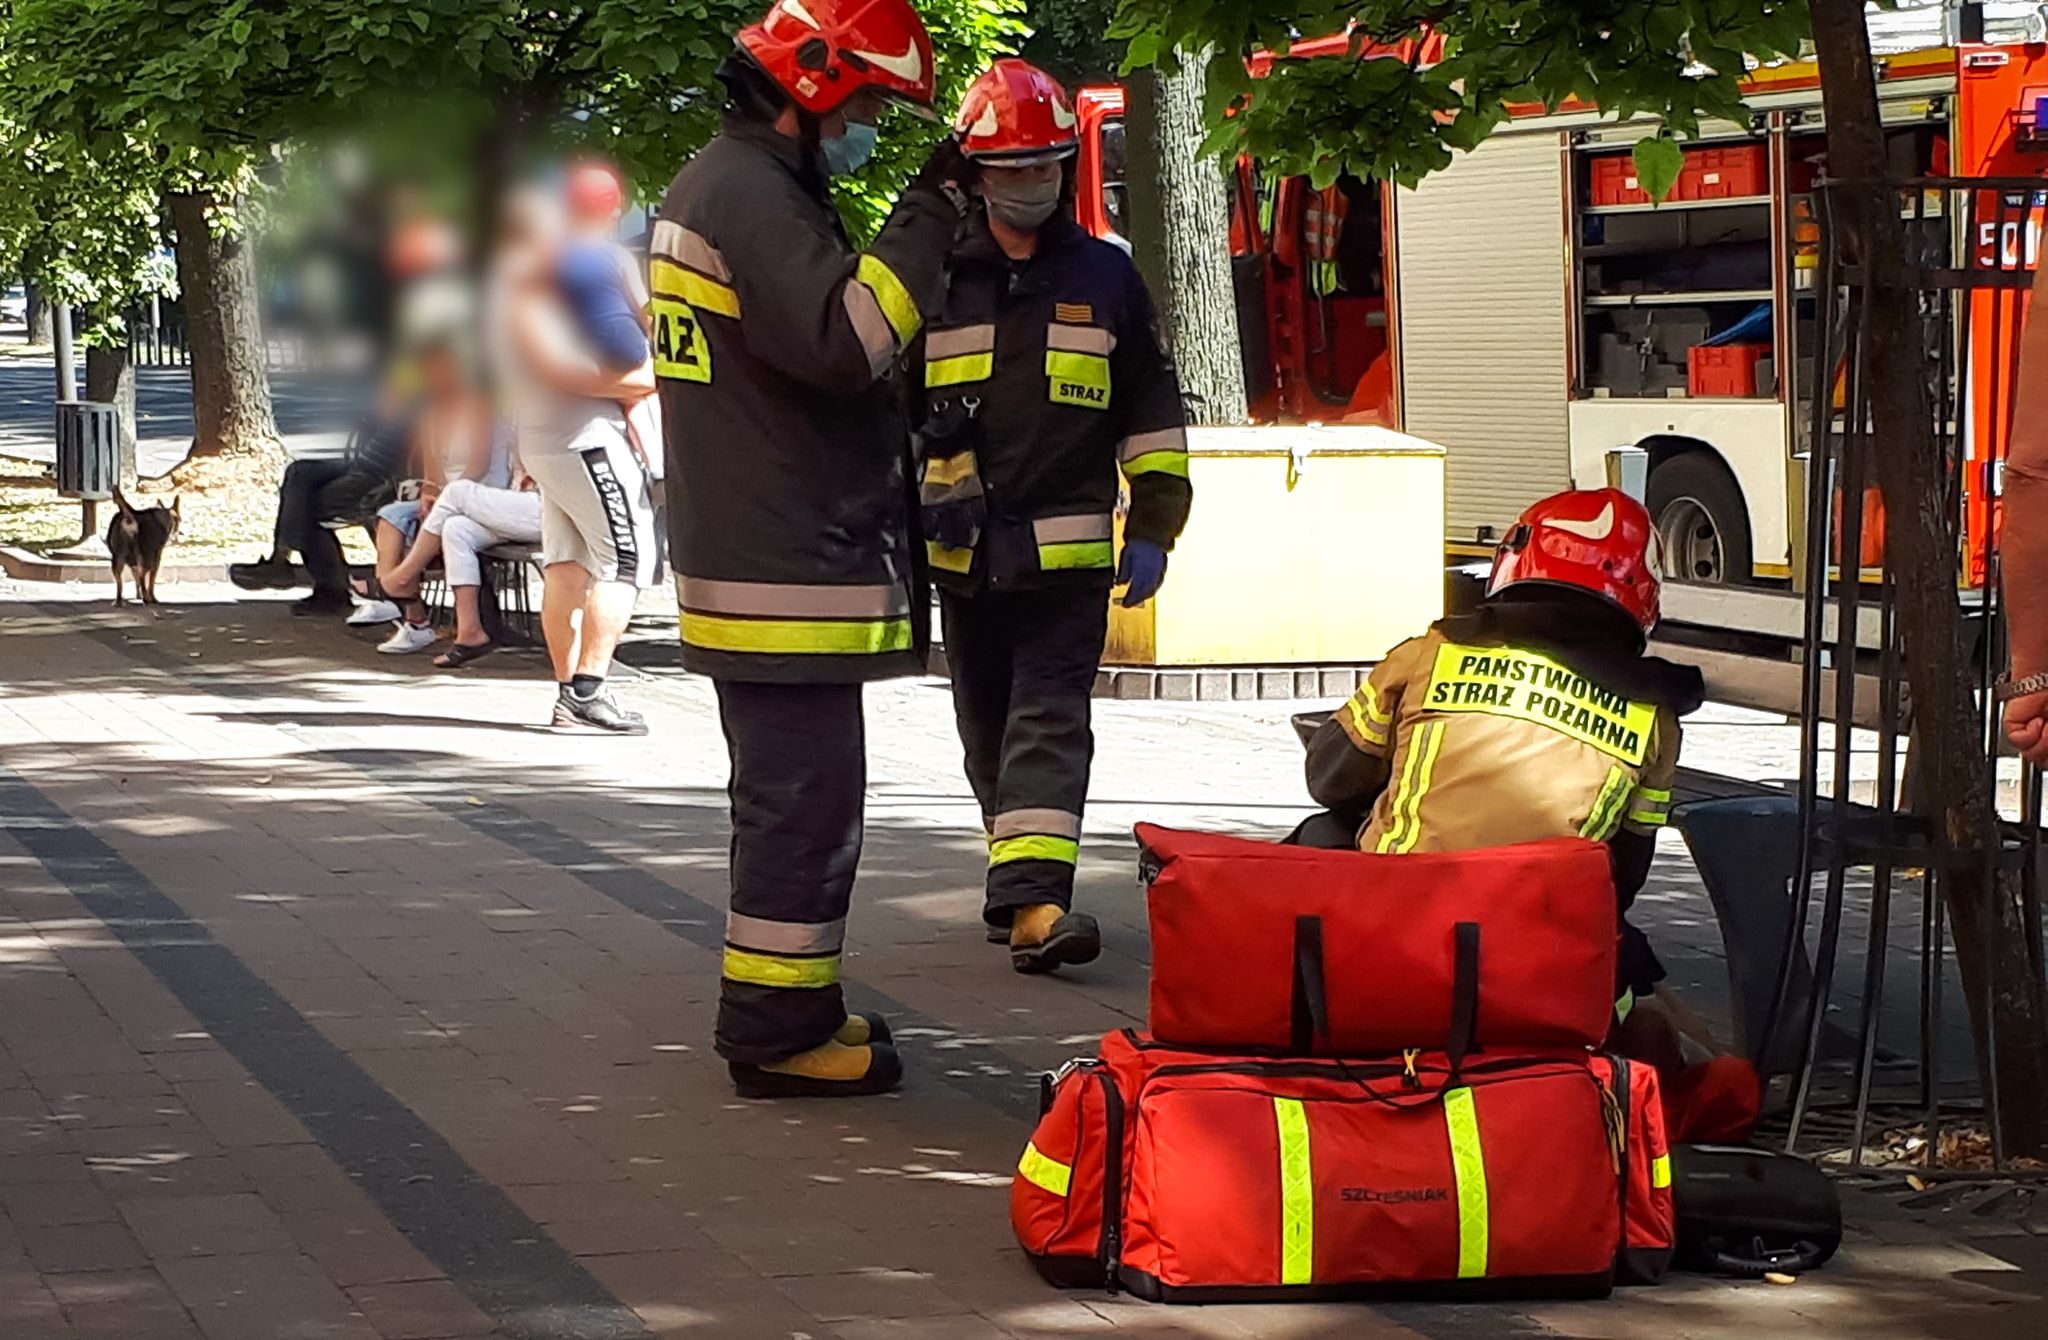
(1865, 838)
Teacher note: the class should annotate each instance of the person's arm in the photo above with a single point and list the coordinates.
(1634, 844)
(2024, 538)
(541, 333)
(819, 313)
(1153, 453)
(1349, 756)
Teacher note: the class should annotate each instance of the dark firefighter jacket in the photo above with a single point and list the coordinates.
(776, 345)
(1043, 378)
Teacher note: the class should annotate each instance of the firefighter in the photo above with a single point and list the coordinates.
(1044, 380)
(1537, 716)
(776, 345)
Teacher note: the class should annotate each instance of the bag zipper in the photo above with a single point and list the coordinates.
(1112, 1176)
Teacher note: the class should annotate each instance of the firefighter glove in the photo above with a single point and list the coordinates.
(1141, 571)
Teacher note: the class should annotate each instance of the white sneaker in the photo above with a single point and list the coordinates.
(408, 638)
(375, 611)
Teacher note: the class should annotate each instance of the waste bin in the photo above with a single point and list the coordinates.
(88, 450)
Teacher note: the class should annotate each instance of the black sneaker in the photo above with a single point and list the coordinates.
(271, 574)
(322, 603)
(601, 711)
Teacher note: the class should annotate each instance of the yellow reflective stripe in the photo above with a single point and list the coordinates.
(670, 280)
(1649, 818)
(946, 558)
(1606, 815)
(961, 368)
(1367, 725)
(1079, 554)
(1651, 808)
(1297, 1194)
(851, 637)
(743, 965)
(948, 470)
(1468, 1164)
(1157, 463)
(896, 302)
(1087, 369)
(1653, 795)
(1033, 847)
(1046, 1174)
(1660, 1171)
(1406, 830)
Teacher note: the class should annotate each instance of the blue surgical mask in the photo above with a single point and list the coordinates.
(849, 152)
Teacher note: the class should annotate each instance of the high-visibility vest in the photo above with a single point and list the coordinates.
(1322, 225)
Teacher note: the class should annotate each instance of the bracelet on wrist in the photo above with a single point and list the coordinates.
(2009, 688)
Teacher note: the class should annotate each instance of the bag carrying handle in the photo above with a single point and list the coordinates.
(1464, 996)
(1760, 1260)
(1310, 1030)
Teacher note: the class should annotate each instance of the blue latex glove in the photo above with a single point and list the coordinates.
(1141, 572)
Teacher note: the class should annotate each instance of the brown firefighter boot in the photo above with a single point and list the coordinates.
(1045, 936)
(832, 1069)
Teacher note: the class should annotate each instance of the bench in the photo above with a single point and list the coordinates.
(505, 599)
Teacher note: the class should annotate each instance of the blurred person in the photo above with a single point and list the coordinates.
(468, 518)
(431, 299)
(453, 442)
(1044, 381)
(601, 284)
(776, 343)
(2023, 541)
(571, 436)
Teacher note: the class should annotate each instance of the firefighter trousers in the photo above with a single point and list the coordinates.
(799, 778)
(1023, 666)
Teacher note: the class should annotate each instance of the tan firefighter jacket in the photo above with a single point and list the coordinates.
(1459, 746)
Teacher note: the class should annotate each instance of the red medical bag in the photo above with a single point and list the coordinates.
(1190, 1176)
(1649, 1218)
(1264, 947)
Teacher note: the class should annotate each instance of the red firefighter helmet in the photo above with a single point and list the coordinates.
(1016, 115)
(822, 52)
(1597, 540)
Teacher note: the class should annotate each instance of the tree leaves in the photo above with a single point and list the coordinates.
(1379, 111)
(1659, 160)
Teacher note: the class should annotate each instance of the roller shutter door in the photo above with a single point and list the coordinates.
(1482, 311)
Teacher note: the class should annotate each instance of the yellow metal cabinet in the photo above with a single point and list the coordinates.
(1307, 545)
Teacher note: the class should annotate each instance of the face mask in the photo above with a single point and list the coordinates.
(849, 152)
(1024, 206)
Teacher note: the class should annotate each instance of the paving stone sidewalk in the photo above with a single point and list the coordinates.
(339, 999)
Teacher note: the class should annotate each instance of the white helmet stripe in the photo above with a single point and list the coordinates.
(795, 9)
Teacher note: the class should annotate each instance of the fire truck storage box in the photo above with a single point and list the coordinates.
(1725, 370)
(1308, 544)
(1721, 172)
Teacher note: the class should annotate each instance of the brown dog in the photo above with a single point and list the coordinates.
(136, 542)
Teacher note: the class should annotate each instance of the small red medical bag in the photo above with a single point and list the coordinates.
(1260, 946)
(1190, 1176)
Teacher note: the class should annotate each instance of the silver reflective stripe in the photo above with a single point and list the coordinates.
(784, 937)
(773, 600)
(966, 340)
(1080, 339)
(685, 247)
(1162, 439)
(1068, 529)
(1049, 823)
(877, 336)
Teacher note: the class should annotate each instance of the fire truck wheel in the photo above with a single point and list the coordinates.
(1701, 519)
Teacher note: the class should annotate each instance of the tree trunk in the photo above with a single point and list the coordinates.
(1921, 546)
(230, 386)
(40, 331)
(110, 380)
(1180, 237)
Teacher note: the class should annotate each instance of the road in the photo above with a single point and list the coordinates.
(313, 412)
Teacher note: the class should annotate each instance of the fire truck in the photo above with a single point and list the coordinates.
(1531, 308)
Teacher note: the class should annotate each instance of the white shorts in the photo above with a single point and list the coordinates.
(597, 505)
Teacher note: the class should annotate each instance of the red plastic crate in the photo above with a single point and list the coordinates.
(1724, 173)
(1725, 370)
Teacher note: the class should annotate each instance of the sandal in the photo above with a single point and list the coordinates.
(462, 653)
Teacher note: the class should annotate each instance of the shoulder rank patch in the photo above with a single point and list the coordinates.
(1081, 312)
